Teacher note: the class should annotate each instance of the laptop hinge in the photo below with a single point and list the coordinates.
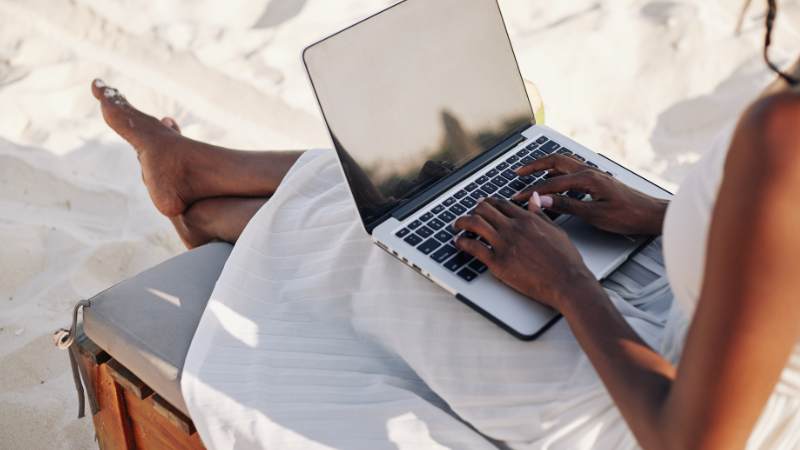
(458, 176)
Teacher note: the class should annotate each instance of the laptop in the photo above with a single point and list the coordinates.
(427, 111)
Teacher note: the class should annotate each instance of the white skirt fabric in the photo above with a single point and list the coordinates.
(316, 338)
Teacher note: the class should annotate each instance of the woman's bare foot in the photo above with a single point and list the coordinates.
(164, 154)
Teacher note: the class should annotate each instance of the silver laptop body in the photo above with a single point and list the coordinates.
(427, 111)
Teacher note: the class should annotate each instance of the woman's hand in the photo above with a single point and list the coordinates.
(615, 207)
(527, 251)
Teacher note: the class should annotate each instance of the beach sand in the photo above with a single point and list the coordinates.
(648, 83)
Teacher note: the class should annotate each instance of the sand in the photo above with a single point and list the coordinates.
(647, 83)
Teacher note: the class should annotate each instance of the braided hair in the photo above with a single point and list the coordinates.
(771, 13)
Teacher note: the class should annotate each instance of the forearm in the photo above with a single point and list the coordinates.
(637, 378)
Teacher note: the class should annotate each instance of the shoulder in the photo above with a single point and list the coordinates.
(770, 128)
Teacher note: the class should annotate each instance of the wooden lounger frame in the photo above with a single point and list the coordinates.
(130, 415)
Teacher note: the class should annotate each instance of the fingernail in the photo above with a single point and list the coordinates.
(536, 199)
(547, 201)
(98, 83)
(455, 239)
(480, 199)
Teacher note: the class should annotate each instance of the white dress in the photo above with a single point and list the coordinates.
(316, 338)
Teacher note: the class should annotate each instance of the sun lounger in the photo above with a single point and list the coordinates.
(133, 343)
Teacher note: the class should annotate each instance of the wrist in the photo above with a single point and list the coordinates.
(654, 220)
(581, 286)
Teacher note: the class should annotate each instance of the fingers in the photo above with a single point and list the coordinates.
(556, 185)
(507, 208)
(477, 224)
(589, 182)
(475, 248)
(563, 204)
(558, 163)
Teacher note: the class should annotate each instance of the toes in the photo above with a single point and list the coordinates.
(170, 122)
(127, 121)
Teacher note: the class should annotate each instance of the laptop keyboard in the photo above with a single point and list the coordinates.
(432, 232)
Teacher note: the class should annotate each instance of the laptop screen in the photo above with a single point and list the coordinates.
(415, 92)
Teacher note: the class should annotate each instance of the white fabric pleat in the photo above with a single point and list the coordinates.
(315, 338)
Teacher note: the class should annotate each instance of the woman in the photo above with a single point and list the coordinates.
(731, 249)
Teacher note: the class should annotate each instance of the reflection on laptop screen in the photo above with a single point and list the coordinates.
(414, 93)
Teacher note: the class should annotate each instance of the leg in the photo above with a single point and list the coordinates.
(179, 171)
(222, 218)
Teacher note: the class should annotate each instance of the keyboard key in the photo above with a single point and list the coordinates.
(532, 146)
(522, 152)
(509, 174)
(451, 230)
(460, 194)
(591, 164)
(492, 173)
(438, 209)
(426, 217)
(443, 253)
(449, 202)
(470, 235)
(539, 173)
(538, 154)
(478, 194)
(429, 246)
(477, 266)
(471, 187)
(528, 179)
(482, 179)
(489, 188)
(550, 147)
(512, 159)
(609, 174)
(443, 236)
(521, 205)
(447, 217)
(542, 140)
(425, 232)
(469, 202)
(415, 224)
(436, 224)
(499, 181)
(575, 194)
(564, 151)
(517, 166)
(402, 233)
(458, 210)
(498, 196)
(413, 240)
(581, 158)
(507, 192)
(517, 185)
(527, 160)
(458, 261)
(467, 274)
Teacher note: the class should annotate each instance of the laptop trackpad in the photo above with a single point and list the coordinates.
(602, 251)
